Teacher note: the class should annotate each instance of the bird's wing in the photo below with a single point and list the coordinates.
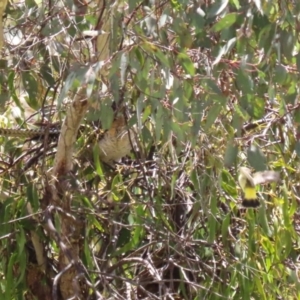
(265, 177)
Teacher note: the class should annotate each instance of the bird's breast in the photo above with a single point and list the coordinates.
(114, 145)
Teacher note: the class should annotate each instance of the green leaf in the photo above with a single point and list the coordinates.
(186, 63)
(297, 148)
(158, 119)
(225, 22)
(260, 288)
(231, 153)
(298, 61)
(180, 105)
(266, 36)
(287, 243)
(263, 220)
(139, 56)
(123, 67)
(162, 58)
(9, 277)
(32, 196)
(197, 112)
(117, 188)
(11, 79)
(280, 74)
(138, 235)
(251, 232)
(224, 50)
(212, 221)
(176, 5)
(212, 115)
(50, 28)
(254, 106)
(258, 6)
(78, 76)
(67, 86)
(124, 237)
(236, 3)
(96, 155)
(217, 8)
(228, 184)
(256, 158)
(287, 43)
(225, 228)
(22, 259)
(210, 86)
(106, 115)
(47, 75)
(180, 132)
(244, 82)
(237, 121)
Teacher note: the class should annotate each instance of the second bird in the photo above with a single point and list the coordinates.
(248, 181)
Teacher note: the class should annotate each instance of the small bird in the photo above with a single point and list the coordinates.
(248, 181)
(115, 142)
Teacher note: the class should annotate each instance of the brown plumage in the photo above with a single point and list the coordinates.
(115, 142)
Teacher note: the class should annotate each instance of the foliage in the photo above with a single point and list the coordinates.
(206, 87)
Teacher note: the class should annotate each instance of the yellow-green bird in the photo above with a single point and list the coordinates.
(248, 181)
